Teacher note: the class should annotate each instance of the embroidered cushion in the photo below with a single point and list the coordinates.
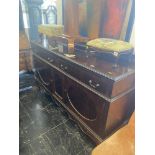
(110, 45)
(50, 29)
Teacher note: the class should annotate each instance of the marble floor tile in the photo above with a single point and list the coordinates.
(44, 127)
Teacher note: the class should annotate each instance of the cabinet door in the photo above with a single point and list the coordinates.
(58, 84)
(44, 74)
(89, 107)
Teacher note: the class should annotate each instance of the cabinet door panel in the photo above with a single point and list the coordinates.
(82, 104)
(87, 106)
(58, 84)
(43, 73)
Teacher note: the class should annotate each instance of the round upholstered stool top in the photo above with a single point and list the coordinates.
(110, 45)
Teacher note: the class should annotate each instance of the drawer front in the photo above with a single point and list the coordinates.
(103, 85)
(50, 57)
(99, 83)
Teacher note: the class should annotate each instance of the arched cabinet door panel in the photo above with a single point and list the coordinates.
(58, 84)
(44, 74)
(86, 105)
(81, 103)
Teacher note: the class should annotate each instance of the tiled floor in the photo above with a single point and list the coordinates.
(45, 128)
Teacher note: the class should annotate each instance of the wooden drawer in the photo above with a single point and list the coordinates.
(108, 87)
(101, 84)
(50, 57)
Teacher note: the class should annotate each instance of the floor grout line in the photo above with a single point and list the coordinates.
(48, 141)
(35, 138)
(43, 133)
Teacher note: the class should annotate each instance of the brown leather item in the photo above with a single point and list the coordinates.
(121, 143)
(66, 41)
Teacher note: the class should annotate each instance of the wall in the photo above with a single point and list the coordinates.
(102, 18)
(59, 11)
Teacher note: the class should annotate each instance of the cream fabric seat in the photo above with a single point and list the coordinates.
(50, 30)
(110, 45)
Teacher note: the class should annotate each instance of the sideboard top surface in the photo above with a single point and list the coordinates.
(100, 66)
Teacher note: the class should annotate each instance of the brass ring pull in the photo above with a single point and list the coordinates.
(50, 60)
(63, 67)
(92, 85)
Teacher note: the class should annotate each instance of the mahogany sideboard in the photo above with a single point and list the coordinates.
(97, 96)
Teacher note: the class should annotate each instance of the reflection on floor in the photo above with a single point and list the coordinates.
(45, 128)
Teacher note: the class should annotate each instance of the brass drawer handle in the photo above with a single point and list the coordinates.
(63, 67)
(50, 60)
(92, 85)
